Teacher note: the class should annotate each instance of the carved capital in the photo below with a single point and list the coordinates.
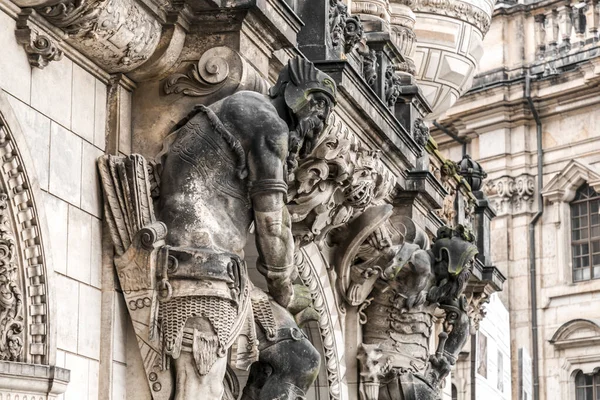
(476, 309)
(41, 49)
(511, 195)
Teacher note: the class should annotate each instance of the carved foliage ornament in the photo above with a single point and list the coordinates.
(11, 298)
(19, 224)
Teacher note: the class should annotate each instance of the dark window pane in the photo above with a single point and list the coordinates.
(580, 394)
(596, 246)
(576, 235)
(585, 248)
(583, 233)
(576, 223)
(596, 259)
(595, 231)
(594, 206)
(585, 262)
(574, 211)
(595, 219)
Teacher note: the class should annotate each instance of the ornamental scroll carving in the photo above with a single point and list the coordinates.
(511, 195)
(41, 49)
(119, 34)
(218, 68)
(11, 296)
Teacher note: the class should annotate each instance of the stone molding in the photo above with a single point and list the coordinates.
(34, 271)
(562, 187)
(312, 270)
(119, 35)
(38, 381)
(460, 10)
(566, 336)
(511, 195)
(41, 47)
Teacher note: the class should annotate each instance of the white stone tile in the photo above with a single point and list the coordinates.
(100, 115)
(96, 262)
(15, 71)
(83, 107)
(90, 180)
(78, 387)
(90, 306)
(120, 329)
(79, 245)
(67, 300)
(125, 122)
(94, 380)
(36, 128)
(51, 90)
(65, 164)
(119, 381)
(57, 212)
(60, 358)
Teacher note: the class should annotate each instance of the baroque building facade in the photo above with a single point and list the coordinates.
(531, 120)
(390, 242)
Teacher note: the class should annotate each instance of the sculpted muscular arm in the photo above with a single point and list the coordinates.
(274, 240)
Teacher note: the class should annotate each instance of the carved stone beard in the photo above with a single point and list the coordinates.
(303, 139)
(451, 288)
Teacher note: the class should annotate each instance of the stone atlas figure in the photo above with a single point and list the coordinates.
(180, 224)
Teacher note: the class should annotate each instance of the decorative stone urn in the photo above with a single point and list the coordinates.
(449, 46)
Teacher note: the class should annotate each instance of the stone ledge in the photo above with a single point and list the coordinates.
(33, 379)
(371, 109)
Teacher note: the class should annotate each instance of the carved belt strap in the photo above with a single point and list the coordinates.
(263, 314)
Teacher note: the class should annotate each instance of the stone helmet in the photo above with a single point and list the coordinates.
(456, 246)
(300, 78)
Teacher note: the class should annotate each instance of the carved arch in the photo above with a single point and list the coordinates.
(577, 333)
(26, 273)
(562, 186)
(313, 271)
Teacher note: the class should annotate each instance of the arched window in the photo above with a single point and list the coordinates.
(454, 392)
(587, 386)
(585, 234)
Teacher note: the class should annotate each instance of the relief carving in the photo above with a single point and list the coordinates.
(420, 132)
(119, 34)
(509, 194)
(392, 86)
(182, 269)
(369, 64)
(40, 48)
(413, 281)
(217, 68)
(11, 297)
(337, 180)
(445, 174)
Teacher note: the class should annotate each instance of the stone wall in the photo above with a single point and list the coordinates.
(62, 111)
(496, 121)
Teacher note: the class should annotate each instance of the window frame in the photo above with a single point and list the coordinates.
(585, 196)
(595, 385)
